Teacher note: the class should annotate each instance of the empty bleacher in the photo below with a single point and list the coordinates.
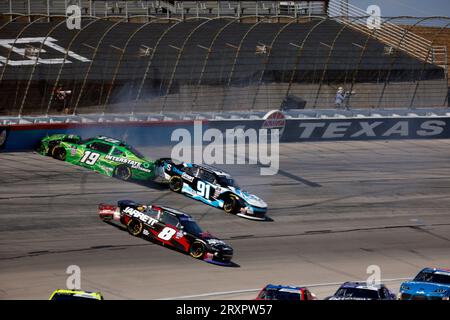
(205, 58)
(102, 8)
(214, 64)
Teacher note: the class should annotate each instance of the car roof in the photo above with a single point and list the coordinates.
(213, 169)
(360, 285)
(175, 212)
(283, 287)
(436, 270)
(110, 141)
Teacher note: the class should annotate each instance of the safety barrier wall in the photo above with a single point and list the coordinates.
(154, 133)
(26, 137)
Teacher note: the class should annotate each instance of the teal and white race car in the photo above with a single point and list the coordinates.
(211, 186)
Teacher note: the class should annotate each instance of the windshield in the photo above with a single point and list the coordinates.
(271, 294)
(225, 181)
(433, 277)
(191, 227)
(357, 293)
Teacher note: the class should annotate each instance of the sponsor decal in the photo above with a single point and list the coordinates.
(179, 234)
(187, 177)
(73, 151)
(217, 192)
(3, 136)
(140, 215)
(132, 163)
(368, 129)
(274, 119)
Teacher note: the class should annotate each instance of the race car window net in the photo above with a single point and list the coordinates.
(192, 171)
(207, 176)
(167, 218)
(152, 213)
(432, 277)
(226, 182)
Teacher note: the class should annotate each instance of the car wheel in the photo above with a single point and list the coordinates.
(230, 205)
(134, 227)
(123, 173)
(59, 153)
(176, 183)
(197, 250)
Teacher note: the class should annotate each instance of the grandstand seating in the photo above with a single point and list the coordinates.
(202, 62)
(155, 7)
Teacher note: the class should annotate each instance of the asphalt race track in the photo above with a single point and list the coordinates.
(337, 207)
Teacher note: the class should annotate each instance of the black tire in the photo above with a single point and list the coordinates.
(135, 227)
(123, 173)
(197, 250)
(176, 183)
(230, 205)
(59, 153)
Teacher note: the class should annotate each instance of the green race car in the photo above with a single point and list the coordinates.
(105, 155)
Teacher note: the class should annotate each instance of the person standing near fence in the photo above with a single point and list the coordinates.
(61, 97)
(341, 99)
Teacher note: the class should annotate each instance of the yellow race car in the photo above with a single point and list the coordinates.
(65, 294)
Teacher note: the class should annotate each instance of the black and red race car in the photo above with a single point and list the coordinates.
(281, 292)
(169, 227)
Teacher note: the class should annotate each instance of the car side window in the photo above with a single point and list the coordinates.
(207, 176)
(167, 218)
(192, 171)
(153, 213)
(100, 147)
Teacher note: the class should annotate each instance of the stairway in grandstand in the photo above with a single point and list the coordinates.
(389, 33)
(440, 36)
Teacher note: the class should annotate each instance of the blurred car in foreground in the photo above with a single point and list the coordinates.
(280, 292)
(66, 294)
(429, 284)
(362, 291)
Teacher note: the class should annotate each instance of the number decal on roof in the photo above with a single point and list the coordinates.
(107, 139)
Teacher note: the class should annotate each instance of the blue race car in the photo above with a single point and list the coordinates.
(429, 284)
(211, 186)
(362, 291)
